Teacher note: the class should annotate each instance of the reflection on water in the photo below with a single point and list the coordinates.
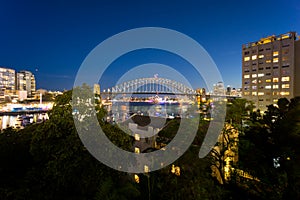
(120, 111)
(20, 121)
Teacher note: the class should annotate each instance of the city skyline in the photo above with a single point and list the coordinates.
(52, 39)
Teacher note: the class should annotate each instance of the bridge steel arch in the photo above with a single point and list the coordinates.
(153, 85)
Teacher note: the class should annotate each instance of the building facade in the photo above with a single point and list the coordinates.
(271, 69)
(14, 84)
(7, 82)
(25, 81)
(219, 89)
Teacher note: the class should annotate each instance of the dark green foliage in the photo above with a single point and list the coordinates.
(49, 161)
(275, 136)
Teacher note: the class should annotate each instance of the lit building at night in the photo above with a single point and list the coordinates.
(271, 69)
(219, 89)
(14, 84)
(7, 82)
(25, 81)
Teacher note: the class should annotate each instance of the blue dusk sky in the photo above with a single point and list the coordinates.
(52, 38)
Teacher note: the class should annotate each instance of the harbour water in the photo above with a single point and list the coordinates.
(120, 111)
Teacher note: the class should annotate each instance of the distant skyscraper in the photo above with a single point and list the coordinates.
(271, 69)
(97, 89)
(7, 82)
(219, 89)
(25, 81)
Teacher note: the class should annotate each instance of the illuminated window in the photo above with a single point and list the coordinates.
(137, 137)
(254, 57)
(146, 169)
(261, 56)
(260, 75)
(254, 87)
(285, 78)
(268, 80)
(275, 60)
(275, 93)
(136, 150)
(275, 87)
(275, 100)
(246, 93)
(268, 61)
(254, 81)
(285, 85)
(254, 93)
(285, 36)
(275, 53)
(137, 178)
(247, 76)
(260, 93)
(247, 58)
(254, 75)
(268, 87)
(275, 80)
(284, 93)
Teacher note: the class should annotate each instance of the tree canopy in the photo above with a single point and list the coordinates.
(49, 161)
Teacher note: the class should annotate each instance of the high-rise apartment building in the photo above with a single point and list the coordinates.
(25, 81)
(12, 83)
(7, 82)
(271, 69)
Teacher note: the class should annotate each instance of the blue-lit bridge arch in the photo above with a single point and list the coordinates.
(152, 85)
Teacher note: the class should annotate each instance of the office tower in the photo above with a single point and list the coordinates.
(219, 89)
(271, 69)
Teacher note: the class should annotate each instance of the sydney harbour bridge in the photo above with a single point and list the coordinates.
(160, 97)
(152, 85)
(157, 91)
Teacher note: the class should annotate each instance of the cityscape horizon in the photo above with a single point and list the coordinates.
(52, 41)
(140, 99)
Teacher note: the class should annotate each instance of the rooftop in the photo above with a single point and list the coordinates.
(272, 38)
